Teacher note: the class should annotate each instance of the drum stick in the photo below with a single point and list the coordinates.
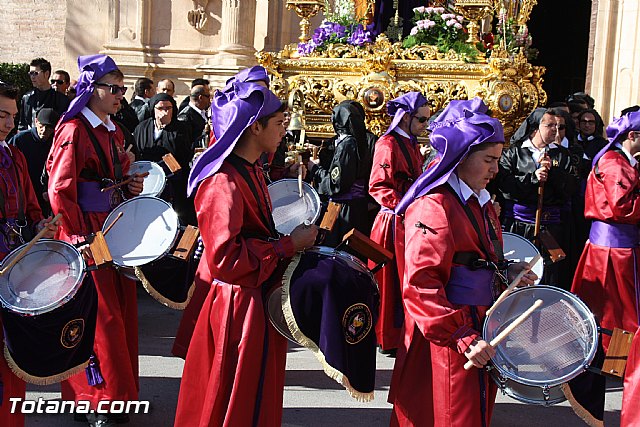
(514, 283)
(26, 249)
(129, 148)
(506, 331)
(300, 164)
(113, 223)
(125, 182)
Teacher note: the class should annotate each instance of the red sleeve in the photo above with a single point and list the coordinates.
(223, 210)
(382, 185)
(429, 258)
(620, 182)
(66, 160)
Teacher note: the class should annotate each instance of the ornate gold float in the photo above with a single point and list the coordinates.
(380, 71)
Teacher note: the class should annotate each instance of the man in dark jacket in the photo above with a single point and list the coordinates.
(42, 95)
(195, 115)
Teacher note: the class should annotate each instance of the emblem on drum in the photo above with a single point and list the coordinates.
(72, 333)
(356, 323)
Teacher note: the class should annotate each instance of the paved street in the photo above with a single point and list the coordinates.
(311, 398)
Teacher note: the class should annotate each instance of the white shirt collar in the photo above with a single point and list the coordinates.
(565, 142)
(95, 120)
(464, 191)
(632, 160)
(4, 144)
(536, 152)
(401, 132)
(202, 113)
(140, 98)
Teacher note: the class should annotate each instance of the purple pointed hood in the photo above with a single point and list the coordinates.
(232, 112)
(617, 131)
(405, 104)
(462, 125)
(92, 68)
(252, 74)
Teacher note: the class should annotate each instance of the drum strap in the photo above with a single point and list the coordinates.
(102, 157)
(267, 218)
(405, 153)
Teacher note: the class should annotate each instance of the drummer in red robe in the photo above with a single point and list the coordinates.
(257, 75)
(606, 278)
(235, 365)
(397, 163)
(454, 270)
(87, 155)
(19, 202)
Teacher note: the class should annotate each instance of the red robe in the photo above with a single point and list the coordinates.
(630, 416)
(390, 179)
(430, 386)
(604, 278)
(221, 378)
(12, 385)
(116, 340)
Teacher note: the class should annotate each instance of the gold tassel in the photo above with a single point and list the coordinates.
(579, 410)
(159, 297)
(32, 379)
(303, 340)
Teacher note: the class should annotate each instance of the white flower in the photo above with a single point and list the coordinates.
(429, 10)
(457, 25)
(414, 31)
(451, 22)
(438, 10)
(419, 9)
(460, 18)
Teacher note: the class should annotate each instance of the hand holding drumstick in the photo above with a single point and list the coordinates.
(134, 183)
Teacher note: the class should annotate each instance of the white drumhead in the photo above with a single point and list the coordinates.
(291, 210)
(517, 248)
(154, 183)
(146, 231)
(43, 279)
(552, 346)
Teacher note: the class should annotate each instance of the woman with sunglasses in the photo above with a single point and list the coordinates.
(524, 166)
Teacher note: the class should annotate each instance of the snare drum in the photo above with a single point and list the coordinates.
(517, 248)
(328, 302)
(155, 182)
(554, 345)
(49, 307)
(291, 210)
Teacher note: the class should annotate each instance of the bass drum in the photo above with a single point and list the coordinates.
(553, 345)
(517, 248)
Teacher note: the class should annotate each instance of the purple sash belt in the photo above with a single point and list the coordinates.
(524, 213)
(91, 199)
(614, 235)
(357, 191)
(470, 287)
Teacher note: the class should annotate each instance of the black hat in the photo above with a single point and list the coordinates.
(48, 117)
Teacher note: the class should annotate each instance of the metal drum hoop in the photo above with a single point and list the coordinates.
(538, 268)
(154, 170)
(290, 187)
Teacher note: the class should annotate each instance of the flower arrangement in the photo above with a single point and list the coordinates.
(435, 26)
(514, 38)
(339, 26)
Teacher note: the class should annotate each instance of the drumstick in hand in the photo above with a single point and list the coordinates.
(506, 331)
(125, 182)
(514, 283)
(26, 249)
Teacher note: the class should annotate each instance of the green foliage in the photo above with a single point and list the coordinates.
(16, 75)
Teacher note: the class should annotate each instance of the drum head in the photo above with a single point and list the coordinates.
(517, 248)
(551, 346)
(291, 210)
(42, 280)
(154, 183)
(146, 231)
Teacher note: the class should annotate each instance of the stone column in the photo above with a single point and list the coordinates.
(237, 33)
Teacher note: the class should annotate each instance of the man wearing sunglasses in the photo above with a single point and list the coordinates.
(524, 167)
(61, 81)
(42, 95)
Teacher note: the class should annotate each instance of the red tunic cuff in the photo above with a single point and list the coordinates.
(465, 341)
(284, 247)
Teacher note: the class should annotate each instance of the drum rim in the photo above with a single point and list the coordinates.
(508, 233)
(137, 199)
(509, 391)
(53, 305)
(567, 377)
(305, 185)
(156, 166)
